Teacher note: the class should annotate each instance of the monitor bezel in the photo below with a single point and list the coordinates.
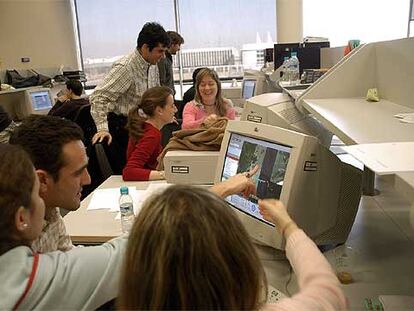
(31, 103)
(261, 232)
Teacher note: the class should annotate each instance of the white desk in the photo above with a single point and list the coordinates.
(381, 235)
(294, 91)
(98, 226)
(356, 121)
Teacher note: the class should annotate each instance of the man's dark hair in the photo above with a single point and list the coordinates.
(175, 37)
(43, 138)
(75, 86)
(195, 72)
(153, 34)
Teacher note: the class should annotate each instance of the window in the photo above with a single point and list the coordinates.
(229, 36)
(109, 29)
(367, 20)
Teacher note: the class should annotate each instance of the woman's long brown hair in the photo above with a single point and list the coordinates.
(17, 178)
(151, 99)
(188, 250)
(221, 105)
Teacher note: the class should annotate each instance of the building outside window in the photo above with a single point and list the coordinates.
(229, 36)
(108, 30)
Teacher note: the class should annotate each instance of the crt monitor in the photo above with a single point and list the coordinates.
(309, 179)
(255, 82)
(40, 100)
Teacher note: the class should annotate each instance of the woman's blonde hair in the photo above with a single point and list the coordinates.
(17, 179)
(221, 105)
(151, 99)
(188, 250)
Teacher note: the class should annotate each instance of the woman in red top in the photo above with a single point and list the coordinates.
(144, 124)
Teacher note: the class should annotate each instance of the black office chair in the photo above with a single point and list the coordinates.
(84, 119)
(104, 165)
(168, 129)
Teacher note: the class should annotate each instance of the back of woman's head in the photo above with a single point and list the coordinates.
(207, 72)
(188, 250)
(151, 99)
(16, 184)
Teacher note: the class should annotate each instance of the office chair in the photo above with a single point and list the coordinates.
(84, 119)
(168, 129)
(104, 165)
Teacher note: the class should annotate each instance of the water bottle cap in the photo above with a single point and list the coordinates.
(293, 54)
(124, 190)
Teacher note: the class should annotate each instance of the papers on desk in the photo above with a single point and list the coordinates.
(108, 198)
(405, 117)
(385, 158)
(396, 302)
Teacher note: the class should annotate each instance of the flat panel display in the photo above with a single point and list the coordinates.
(242, 154)
(248, 88)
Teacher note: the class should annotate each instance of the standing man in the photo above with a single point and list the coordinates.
(165, 65)
(124, 85)
(56, 149)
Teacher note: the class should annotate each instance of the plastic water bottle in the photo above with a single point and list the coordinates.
(127, 210)
(285, 70)
(294, 76)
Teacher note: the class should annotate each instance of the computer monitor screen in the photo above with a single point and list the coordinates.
(40, 100)
(248, 88)
(308, 54)
(319, 191)
(243, 153)
(282, 50)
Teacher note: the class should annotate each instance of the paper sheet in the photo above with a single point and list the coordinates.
(108, 198)
(405, 117)
(396, 302)
(385, 158)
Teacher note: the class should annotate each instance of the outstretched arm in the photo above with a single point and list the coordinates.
(240, 183)
(319, 289)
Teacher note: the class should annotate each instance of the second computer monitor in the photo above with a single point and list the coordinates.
(40, 100)
(307, 53)
(310, 180)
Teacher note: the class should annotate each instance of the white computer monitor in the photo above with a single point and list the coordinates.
(295, 168)
(39, 100)
(278, 109)
(256, 82)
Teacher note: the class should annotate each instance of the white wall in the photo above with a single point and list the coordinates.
(40, 29)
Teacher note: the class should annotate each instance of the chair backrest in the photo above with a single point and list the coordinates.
(84, 119)
(104, 165)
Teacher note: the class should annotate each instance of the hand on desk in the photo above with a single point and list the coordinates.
(240, 183)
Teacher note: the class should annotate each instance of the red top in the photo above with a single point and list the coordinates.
(142, 156)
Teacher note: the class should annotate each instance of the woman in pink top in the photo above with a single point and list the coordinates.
(208, 103)
(188, 250)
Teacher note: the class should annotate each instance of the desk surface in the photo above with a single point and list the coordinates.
(356, 121)
(381, 236)
(97, 226)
